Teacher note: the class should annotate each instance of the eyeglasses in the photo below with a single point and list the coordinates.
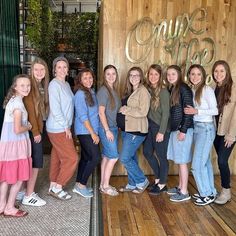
(134, 76)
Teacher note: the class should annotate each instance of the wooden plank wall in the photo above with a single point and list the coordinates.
(215, 18)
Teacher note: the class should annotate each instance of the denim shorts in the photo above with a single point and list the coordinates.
(180, 151)
(109, 149)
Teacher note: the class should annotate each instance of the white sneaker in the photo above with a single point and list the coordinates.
(20, 195)
(33, 200)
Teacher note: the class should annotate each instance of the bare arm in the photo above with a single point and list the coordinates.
(104, 122)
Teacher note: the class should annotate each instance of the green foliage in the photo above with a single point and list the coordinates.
(83, 33)
(44, 30)
(39, 29)
(34, 23)
(48, 43)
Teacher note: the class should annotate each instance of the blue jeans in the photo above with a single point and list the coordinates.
(203, 137)
(128, 157)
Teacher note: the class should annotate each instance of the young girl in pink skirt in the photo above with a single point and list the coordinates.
(15, 147)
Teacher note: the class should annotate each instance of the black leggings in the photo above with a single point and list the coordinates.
(223, 154)
(156, 153)
(90, 157)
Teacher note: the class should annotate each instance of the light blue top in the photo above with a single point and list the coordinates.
(84, 112)
(61, 103)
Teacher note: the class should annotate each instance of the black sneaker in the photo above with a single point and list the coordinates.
(151, 186)
(197, 195)
(203, 201)
(156, 190)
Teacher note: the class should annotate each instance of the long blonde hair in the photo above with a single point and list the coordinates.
(35, 89)
(115, 85)
(155, 98)
(11, 91)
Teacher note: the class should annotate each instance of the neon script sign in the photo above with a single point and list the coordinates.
(173, 36)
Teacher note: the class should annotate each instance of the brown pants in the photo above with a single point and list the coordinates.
(64, 158)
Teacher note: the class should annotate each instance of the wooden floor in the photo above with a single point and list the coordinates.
(143, 214)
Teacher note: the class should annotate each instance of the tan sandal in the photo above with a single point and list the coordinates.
(125, 189)
(111, 191)
(101, 188)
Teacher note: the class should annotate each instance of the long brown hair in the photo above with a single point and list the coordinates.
(35, 88)
(79, 86)
(11, 91)
(155, 98)
(115, 85)
(223, 97)
(175, 93)
(198, 88)
(128, 86)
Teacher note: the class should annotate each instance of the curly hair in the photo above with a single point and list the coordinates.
(79, 86)
(223, 97)
(11, 91)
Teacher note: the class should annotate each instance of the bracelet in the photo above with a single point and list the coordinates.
(106, 130)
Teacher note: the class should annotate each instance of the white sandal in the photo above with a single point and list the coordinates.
(61, 195)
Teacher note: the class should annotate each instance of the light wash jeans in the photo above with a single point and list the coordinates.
(203, 137)
(128, 157)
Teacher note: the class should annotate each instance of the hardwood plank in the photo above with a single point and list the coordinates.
(223, 214)
(143, 214)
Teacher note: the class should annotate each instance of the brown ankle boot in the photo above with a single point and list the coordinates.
(224, 197)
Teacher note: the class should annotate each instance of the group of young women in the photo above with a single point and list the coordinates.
(167, 117)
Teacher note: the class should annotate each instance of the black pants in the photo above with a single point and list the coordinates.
(37, 152)
(156, 153)
(90, 157)
(223, 154)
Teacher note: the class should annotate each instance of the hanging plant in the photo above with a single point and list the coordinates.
(34, 23)
(39, 29)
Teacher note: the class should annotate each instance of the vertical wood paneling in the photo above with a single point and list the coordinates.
(117, 17)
